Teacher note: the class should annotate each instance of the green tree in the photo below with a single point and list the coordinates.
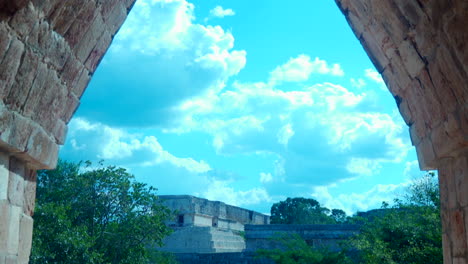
(300, 211)
(409, 232)
(102, 215)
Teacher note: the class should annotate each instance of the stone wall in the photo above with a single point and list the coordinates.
(49, 50)
(200, 211)
(421, 49)
(318, 236)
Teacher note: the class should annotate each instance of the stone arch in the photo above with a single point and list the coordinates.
(49, 49)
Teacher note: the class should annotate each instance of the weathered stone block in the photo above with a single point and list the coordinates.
(426, 156)
(13, 229)
(42, 149)
(60, 131)
(372, 48)
(25, 238)
(98, 52)
(4, 174)
(90, 39)
(64, 16)
(16, 182)
(115, 16)
(29, 192)
(410, 58)
(5, 39)
(9, 66)
(4, 226)
(81, 24)
(24, 20)
(24, 79)
(71, 71)
(43, 77)
(460, 172)
(448, 195)
(82, 83)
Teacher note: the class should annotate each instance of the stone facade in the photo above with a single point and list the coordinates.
(49, 50)
(204, 226)
(318, 236)
(421, 49)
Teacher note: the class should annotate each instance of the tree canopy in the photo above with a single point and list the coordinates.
(86, 215)
(304, 211)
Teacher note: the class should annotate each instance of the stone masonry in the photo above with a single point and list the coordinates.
(49, 50)
(421, 49)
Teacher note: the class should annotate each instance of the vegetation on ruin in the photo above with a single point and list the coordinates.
(408, 232)
(95, 215)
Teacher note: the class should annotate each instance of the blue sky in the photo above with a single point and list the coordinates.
(246, 102)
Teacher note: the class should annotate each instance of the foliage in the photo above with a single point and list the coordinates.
(304, 211)
(409, 232)
(160, 257)
(296, 251)
(95, 216)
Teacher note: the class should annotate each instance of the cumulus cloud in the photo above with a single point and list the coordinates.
(353, 202)
(299, 69)
(265, 177)
(220, 12)
(159, 58)
(222, 191)
(99, 141)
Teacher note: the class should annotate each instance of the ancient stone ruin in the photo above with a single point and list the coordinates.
(204, 226)
(49, 50)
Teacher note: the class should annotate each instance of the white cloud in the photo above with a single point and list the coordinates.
(299, 69)
(220, 12)
(265, 177)
(166, 58)
(100, 141)
(221, 191)
(358, 83)
(352, 202)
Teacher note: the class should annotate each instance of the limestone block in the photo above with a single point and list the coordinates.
(16, 182)
(29, 192)
(46, 7)
(72, 103)
(447, 251)
(4, 225)
(43, 77)
(82, 83)
(410, 58)
(391, 19)
(412, 12)
(90, 39)
(129, 4)
(444, 145)
(98, 51)
(372, 48)
(4, 174)
(448, 196)
(426, 155)
(395, 76)
(11, 259)
(71, 71)
(115, 17)
(42, 149)
(9, 66)
(60, 131)
(5, 39)
(458, 233)
(62, 18)
(24, 79)
(53, 46)
(430, 101)
(25, 238)
(81, 24)
(13, 229)
(405, 112)
(457, 35)
(24, 20)
(460, 172)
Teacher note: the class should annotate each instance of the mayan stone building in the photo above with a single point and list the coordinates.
(49, 50)
(204, 226)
